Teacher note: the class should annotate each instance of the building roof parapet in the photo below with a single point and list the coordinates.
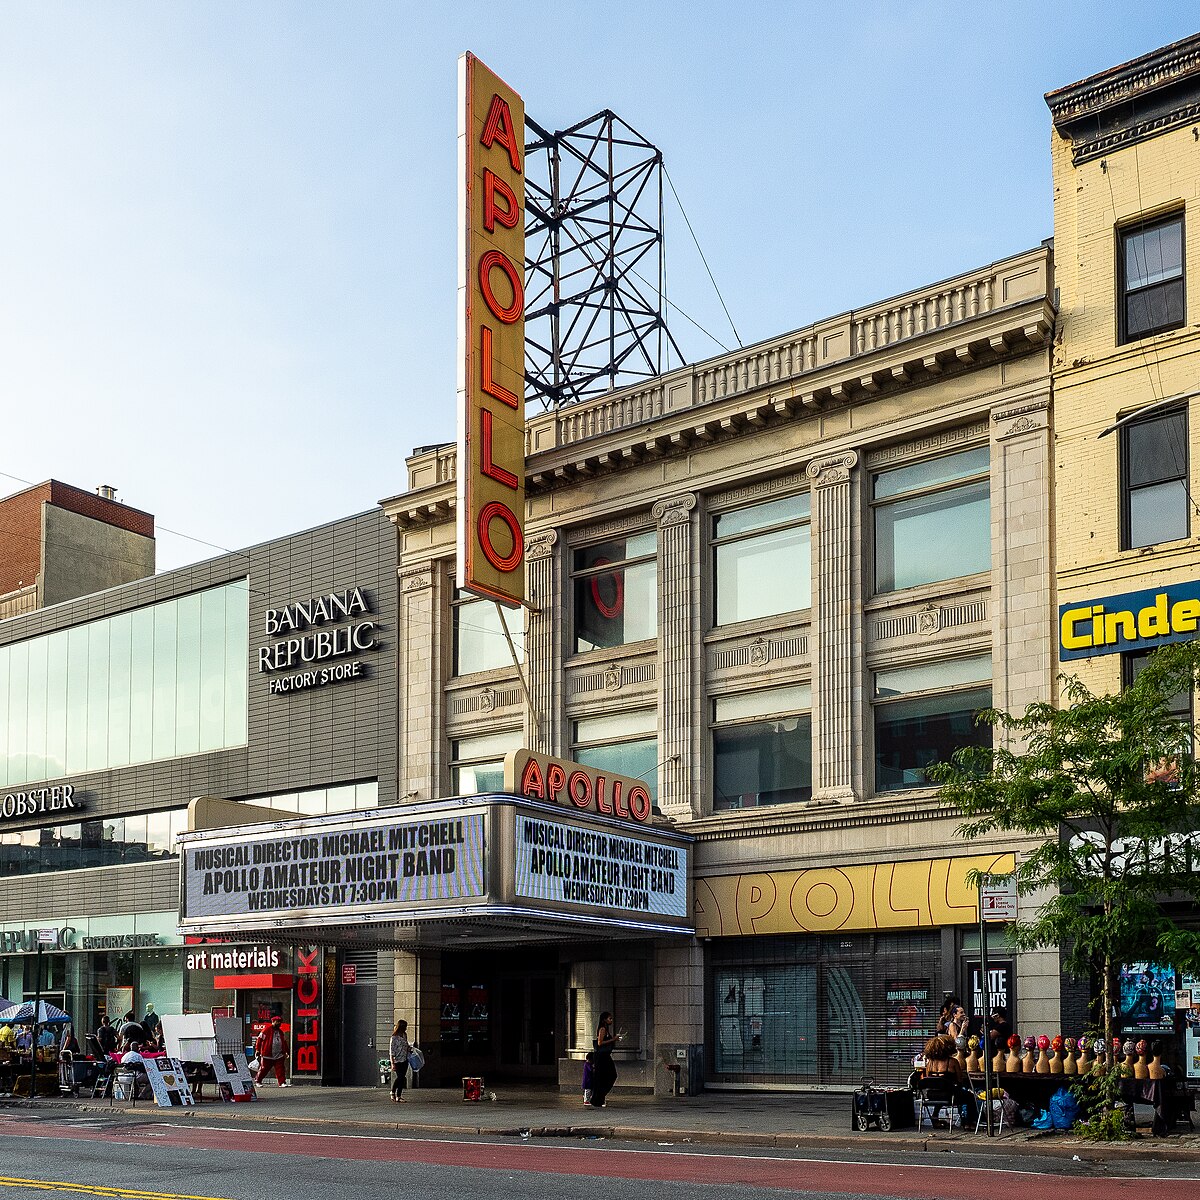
(998, 311)
(1129, 103)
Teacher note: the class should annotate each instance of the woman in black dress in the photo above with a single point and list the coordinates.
(604, 1071)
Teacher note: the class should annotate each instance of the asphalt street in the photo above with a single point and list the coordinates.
(124, 1155)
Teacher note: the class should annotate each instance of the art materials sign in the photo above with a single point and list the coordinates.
(559, 781)
(317, 641)
(314, 870)
(568, 863)
(1130, 621)
(491, 336)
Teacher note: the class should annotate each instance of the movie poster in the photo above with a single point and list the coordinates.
(1147, 1003)
(910, 1018)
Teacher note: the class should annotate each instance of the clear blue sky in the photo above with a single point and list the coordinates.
(227, 228)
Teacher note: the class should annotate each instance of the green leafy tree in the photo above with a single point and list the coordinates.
(1109, 785)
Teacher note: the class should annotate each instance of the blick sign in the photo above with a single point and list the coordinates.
(491, 336)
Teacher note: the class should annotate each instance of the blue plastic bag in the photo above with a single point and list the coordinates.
(1064, 1109)
(1042, 1121)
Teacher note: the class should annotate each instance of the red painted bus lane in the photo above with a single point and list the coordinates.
(909, 1181)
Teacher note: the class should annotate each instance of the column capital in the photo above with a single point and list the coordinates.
(674, 511)
(832, 469)
(540, 545)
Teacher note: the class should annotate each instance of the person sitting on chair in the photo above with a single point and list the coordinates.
(133, 1061)
(941, 1062)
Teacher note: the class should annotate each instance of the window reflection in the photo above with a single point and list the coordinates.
(132, 688)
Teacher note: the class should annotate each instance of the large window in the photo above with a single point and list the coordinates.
(923, 714)
(762, 560)
(102, 842)
(1134, 662)
(138, 687)
(622, 744)
(932, 521)
(616, 592)
(762, 748)
(478, 762)
(479, 641)
(1154, 470)
(1151, 278)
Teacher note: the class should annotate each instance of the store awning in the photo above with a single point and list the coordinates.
(479, 870)
(238, 983)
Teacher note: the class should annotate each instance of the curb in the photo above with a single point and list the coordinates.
(1039, 1145)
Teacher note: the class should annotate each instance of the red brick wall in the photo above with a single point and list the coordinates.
(88, 504)
(21, 537)
(21, 526)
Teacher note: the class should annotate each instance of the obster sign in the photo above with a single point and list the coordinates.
(491, 336)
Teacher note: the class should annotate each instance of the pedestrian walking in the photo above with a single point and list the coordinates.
(604, 1070)
(399, 1048)
(271, 1050)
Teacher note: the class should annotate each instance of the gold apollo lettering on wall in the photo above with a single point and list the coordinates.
(918, 894)
(491, 337)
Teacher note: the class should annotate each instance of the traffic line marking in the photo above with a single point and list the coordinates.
(95, 1189)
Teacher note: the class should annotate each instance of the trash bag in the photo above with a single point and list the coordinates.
(1064, 1109)
(1042, 1121)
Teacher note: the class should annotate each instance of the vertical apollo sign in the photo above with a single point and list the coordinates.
(491, 336)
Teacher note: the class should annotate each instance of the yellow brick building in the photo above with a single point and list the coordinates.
(1126, 170)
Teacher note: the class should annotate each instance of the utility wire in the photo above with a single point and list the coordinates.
(704, 260)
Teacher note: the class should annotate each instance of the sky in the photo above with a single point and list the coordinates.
(228, 227)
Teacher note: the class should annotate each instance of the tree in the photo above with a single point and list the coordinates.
(1110, 783)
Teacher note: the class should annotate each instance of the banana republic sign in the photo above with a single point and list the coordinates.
(323, 636)
(25, 941)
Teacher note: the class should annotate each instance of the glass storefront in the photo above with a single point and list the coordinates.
(828, 1010)
(142, 686)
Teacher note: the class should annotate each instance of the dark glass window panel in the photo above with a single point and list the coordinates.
(1153, 309)
(1156, 449)
(928, 538)
(762, 516)
(479, 641)
(1152, 283)
(912, 735)
(763, 575)
(1134, 662)
(764, 762)
(616, 606)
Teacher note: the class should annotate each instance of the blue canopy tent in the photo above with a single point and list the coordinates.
(22, 1014)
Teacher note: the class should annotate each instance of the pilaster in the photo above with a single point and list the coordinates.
(544, 643)
(422, 675)
(679, 715)
(836, 642)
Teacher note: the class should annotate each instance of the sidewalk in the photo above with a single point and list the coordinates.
(801, 1120)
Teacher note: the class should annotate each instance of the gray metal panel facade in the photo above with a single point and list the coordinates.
(342, 733)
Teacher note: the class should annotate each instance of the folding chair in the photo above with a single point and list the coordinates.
(981, 1118)
(934, 1095)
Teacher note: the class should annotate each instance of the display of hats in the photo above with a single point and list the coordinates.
(1127, 1049)
(973, 1042)
(1014, 1042)
(1043, 1042)
(1031, 1042)
(1067, 1043)
(1117, 1045)
(1141, 1046)
(1099, 1046)
(960, 1042)
(1056, 1042)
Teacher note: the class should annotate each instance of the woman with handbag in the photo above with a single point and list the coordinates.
(399, 1048)
(604, 1070)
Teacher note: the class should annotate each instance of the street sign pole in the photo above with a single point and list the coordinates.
(986, 997)
(45, 937)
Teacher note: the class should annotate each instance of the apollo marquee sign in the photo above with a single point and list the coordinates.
(318, 641)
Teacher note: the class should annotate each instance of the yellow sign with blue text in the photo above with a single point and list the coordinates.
(923, 894)
(1132, 621)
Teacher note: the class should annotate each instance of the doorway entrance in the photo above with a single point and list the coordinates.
(528, 1005)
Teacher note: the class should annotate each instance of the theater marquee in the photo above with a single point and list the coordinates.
(491, 336)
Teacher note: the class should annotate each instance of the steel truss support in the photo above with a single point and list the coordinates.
(595, 271)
